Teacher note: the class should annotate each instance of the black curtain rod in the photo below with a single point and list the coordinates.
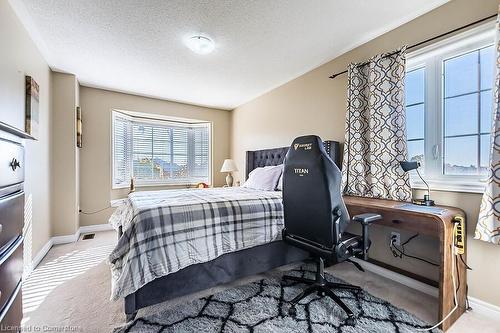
(425, 41)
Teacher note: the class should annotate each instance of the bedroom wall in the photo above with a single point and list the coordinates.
(95, 156)
(64, 167)
(20, 57)
(313, 103)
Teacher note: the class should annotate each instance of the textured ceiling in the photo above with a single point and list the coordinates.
(137, 46)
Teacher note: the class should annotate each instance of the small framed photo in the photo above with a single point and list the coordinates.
(79, 127)
(32, 115)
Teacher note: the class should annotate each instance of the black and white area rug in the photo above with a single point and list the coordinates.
(262, 306)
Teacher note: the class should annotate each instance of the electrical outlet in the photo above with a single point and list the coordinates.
(396, 238)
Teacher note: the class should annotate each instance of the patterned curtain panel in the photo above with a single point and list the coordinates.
(488, 225)
(375, 139)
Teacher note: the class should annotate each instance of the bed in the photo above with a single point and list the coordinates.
(222, 235)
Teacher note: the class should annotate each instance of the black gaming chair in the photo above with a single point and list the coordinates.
(316, 216)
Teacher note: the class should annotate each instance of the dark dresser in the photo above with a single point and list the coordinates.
(11, 237)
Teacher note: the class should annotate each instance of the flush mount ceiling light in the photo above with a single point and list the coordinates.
(200, 44)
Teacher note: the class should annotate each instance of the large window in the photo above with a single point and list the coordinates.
(449, 109)
(159, 152)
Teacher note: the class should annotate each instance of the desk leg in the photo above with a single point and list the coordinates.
(446, 298)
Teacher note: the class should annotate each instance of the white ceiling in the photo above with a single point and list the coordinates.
(137, 46)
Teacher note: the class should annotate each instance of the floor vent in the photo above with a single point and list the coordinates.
(88, 236)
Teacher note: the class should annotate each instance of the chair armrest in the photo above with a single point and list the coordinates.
(367, 218)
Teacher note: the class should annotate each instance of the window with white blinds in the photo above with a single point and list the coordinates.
(159, 152)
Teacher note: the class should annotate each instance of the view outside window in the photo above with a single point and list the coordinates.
(467, 104)
(415, 115)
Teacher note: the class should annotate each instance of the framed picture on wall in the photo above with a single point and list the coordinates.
(78, 127)
(32, 115)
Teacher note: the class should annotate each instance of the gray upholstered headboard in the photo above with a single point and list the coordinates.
(276, 156)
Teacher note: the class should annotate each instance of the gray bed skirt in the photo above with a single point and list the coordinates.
(223, 269)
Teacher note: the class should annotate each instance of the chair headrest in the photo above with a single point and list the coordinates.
(307, 146)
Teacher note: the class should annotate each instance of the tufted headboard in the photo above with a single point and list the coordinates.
(276, 156)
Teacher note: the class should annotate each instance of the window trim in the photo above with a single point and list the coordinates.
(159, 119)
(432, 58)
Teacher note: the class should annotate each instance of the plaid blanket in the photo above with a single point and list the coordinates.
(165, 231)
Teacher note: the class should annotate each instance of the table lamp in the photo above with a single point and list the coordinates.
(408, 166)
(229, 166)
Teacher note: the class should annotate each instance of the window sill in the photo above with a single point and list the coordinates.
(117, 202)
(450, 186)
(180, 184)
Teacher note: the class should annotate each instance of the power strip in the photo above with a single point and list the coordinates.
(459, 234)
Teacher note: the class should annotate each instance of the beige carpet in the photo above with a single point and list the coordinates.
(71, 287)
(69, 292)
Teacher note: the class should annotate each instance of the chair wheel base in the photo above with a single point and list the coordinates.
(321, 287)
(131, 316)
(351, 321)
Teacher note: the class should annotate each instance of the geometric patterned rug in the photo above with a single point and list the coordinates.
(262, 306)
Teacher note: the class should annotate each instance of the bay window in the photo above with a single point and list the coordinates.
(159, 151)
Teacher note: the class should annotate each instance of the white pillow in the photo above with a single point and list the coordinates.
(279, 187)
(264, 179)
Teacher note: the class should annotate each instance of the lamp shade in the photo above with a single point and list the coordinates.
(408, 166)
(228, 166)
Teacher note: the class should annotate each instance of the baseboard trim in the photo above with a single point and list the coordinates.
(477, 305)
(37, 259)
(42, 253)
(404, 280)
(58, 240)
(484, 308)
(95, 228)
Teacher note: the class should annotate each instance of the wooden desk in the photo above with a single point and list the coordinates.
(430, 224)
